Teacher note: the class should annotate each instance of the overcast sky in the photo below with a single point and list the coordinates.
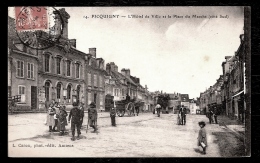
(171, 54)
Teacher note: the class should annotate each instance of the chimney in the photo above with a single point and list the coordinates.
(112, 64)
(73, 42)
(126, 72)
(227, 57)
(108, 68)
(92, 52)
(138, 80)
(123, 71)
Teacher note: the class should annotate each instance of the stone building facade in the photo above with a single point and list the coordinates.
(94, 79)
(22, 71)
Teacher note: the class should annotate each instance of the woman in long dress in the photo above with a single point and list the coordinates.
(50, 117)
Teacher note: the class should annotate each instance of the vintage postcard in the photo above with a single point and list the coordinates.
(129, 81)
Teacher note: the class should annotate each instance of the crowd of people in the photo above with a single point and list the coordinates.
(57, 117)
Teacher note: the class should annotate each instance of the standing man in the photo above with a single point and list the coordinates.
(210, 116)
(127, 97)
(81, 108)
(158, 109)
(137, 109)
(215, 115)
(92, 115)
(113, 116)
(75, 122)
(183, 115)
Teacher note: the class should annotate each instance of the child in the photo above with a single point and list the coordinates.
(50, 118)
(202, 137)
(113, 117)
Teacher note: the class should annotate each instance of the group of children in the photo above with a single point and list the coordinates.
(57, 117)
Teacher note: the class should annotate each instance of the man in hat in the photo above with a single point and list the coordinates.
(113, 116)
(92, 115)
(158, 109)
(127, 97)
(182, 112)
(210, 116)
(75, 120)
(81, 108)
(215, 115)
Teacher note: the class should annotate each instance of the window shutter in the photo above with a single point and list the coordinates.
(32, 71)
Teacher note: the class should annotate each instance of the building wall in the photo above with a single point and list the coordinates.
(23, 81)
(93, 89)
(53, 78)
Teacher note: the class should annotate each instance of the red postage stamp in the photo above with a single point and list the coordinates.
(31, 18)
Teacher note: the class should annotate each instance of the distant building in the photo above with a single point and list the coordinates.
(193, 106)
(185, 100)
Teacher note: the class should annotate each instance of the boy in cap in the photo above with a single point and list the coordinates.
(202, 137)
(113, 116)
(75, 120)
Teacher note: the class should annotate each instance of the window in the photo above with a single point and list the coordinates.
(47, 63)
(21, 91)
(123, 92)
(58, 90)
(47, 90)
(68, 67)
(58, 61)
(95, 80)
(20, 68)
(89, 79)
(68, 92)
(100, 81)
(77, 70)
(101, 99)
(30, 74)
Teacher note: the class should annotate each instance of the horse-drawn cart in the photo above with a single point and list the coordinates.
(128, 107)
(123, 107)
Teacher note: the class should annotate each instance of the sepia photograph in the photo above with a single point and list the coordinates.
(143, 81)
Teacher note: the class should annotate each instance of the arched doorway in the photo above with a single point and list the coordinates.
(47, 91)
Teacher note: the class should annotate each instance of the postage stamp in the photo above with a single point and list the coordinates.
(38, 27)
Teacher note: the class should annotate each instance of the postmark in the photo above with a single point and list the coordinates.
(39, 27)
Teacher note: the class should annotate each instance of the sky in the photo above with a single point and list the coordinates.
(181, 55)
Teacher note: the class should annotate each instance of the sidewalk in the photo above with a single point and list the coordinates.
(233, 125)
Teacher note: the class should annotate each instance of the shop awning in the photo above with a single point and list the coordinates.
(238, 93)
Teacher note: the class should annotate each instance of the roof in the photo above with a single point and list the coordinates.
(192, 101)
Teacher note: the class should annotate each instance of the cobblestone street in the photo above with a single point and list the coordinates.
(145, 135)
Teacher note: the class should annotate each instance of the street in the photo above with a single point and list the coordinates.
(145, 135)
